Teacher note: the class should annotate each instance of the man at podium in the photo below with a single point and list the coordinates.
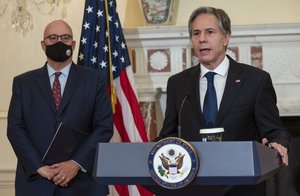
(221, 92)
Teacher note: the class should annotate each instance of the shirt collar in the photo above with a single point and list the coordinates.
(221, 69)
(65, 71)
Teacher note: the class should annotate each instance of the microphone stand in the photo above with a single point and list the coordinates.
(186, 96)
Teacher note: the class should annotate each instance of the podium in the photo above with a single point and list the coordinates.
(222, 165)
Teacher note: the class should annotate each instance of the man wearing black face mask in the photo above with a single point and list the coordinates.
(58, 47)
(59, 92)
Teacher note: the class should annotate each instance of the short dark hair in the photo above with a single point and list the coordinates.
(222, 17)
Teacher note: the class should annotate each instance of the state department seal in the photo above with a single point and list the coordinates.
(173, 163)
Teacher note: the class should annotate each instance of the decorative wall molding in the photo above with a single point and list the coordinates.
(7, 179)
(149, 95)
(272, 47)
(149, 36)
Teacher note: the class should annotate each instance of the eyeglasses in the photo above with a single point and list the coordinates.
(54, 38)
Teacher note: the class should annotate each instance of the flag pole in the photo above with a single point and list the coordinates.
(111, 78)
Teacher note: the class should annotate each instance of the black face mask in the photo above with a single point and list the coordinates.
(59, 51)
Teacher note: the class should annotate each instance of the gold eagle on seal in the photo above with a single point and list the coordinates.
(172, 165)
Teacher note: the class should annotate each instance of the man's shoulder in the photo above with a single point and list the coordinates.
(90, 73)
(250, 70)
(29, 74)
(86, 70)
(187, 73)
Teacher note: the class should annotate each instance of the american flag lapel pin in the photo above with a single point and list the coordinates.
(237, 81)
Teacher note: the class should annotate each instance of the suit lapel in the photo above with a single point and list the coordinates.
(234, 82)
(44, 84)
(193, 88)
(71, 85)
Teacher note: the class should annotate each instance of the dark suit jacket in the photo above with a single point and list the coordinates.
(32, 121)
(247, 111)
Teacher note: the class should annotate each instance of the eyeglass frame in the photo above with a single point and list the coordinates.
(68, 36)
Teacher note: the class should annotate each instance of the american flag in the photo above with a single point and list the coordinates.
(103, 47)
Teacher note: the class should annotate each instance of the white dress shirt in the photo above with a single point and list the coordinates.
(62, 78)
(219, 81)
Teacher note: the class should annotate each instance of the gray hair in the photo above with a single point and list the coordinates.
(222, 17)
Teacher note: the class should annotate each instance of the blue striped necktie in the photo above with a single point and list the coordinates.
(210, 107)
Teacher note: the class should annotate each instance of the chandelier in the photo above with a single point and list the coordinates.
(21, 18)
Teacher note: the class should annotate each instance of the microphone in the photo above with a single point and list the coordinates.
(186, 96)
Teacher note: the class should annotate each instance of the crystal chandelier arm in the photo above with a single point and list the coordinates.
(5, 4)
(21, 19)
